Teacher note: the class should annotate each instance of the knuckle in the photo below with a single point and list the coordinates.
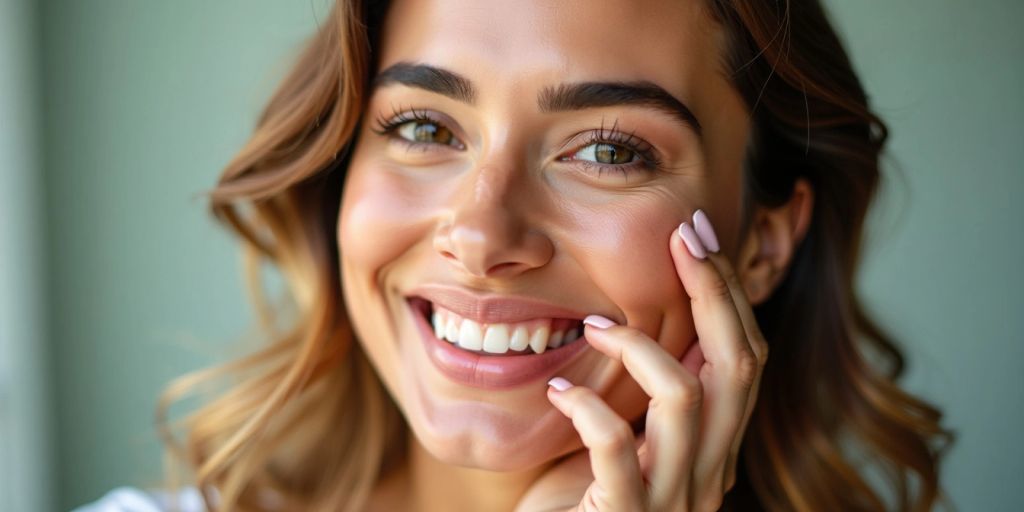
(730, 481)
(632, 338)
(682, 393)
(614, 438)
(592, 504)
(729, 275)
(710, 502)
(717, 288)
(762, 352)
(746, 368)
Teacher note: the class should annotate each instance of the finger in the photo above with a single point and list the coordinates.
(618, 482)
(731, 366)
(714, 313)
(750, 326)
(673, 416)
(760, 348)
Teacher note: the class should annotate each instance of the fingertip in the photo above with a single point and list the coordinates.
(596, 336)
(598, 321)
(682, 258)
(560, 384)
(705, 231)
(692, 241)
(676, 245)
(558, 396)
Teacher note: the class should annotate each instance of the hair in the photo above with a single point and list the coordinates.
(304, 421)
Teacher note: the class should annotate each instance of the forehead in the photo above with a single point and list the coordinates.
(508, 48)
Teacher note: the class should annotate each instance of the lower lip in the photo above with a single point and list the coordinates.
(493, 372)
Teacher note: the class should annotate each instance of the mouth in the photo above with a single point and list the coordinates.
(533, 336)
(495, 355)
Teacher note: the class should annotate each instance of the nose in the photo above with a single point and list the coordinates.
(487, 233)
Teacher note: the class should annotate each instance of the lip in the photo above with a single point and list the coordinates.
(492, 372)
(491, 308)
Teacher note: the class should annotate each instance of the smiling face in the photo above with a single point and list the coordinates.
(519, 166)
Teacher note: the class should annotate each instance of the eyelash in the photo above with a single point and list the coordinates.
(385, 127)
(648, 157)
(649, 160)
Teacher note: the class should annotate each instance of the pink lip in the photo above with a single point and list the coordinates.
(492, 309)
(492, 372)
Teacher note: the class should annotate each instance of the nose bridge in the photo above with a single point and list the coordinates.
(485, 225)
(491, 185)
(488, 233)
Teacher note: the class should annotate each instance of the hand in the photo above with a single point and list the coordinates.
(686, 458)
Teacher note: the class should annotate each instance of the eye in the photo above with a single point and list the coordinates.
(613, 150)
(417, 128)
(426, 132)
(606, 153)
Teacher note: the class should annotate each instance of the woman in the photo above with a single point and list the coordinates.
(536, 255)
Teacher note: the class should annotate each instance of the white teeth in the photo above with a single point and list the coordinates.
(470, 337)
(571, 335)
(496, 339)
(520, 339)
(539, 340)
(556, 339)
(451, 330)
(438, 325)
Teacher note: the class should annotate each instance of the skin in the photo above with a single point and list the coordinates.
(507, 210)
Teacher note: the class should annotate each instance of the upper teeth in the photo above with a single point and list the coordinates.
(500, 338)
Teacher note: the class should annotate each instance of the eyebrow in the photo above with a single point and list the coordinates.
(564, 97)
(426, 77)
(604, 94)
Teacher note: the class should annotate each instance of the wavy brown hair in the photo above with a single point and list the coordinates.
(304, 423)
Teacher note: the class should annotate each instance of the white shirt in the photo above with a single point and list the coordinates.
(128, 499)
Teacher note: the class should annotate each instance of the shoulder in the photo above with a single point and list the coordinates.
(128, 499)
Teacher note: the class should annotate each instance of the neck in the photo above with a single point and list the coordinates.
(431, 484)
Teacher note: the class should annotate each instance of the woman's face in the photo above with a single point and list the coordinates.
(521, 165)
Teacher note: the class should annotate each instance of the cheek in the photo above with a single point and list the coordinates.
(381, 218)
(625, 252)
(379, 222)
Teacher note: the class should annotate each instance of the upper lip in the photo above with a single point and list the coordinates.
(489, 308)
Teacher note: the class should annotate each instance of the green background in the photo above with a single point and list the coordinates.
(127, 109)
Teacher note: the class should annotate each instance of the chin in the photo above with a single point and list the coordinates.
(494, 455)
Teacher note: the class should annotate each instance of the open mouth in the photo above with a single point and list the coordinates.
(534, 336)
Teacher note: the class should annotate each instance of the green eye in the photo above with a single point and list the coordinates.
(427, 132)
(605, 153)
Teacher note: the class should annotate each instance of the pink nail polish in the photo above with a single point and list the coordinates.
(702, 225)
(598, 321)
(559, 383)
(692, 241)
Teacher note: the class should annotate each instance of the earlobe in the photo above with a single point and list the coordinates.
(774, 235)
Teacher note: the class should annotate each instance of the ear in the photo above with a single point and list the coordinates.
(766, 251)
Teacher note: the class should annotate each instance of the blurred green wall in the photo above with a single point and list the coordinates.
(943, 269)
(145, 101)
(25, 436)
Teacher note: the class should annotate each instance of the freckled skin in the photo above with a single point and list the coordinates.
(505, 214)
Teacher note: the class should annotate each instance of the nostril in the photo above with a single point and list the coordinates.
(501, 267)
(448, 255)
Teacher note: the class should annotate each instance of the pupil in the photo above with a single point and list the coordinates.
(425, 132)
(430, 132)
(610, 154)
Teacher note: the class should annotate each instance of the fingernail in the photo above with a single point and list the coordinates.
(702, 225)
(598, 321)
(692, 241)
(559, 383)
